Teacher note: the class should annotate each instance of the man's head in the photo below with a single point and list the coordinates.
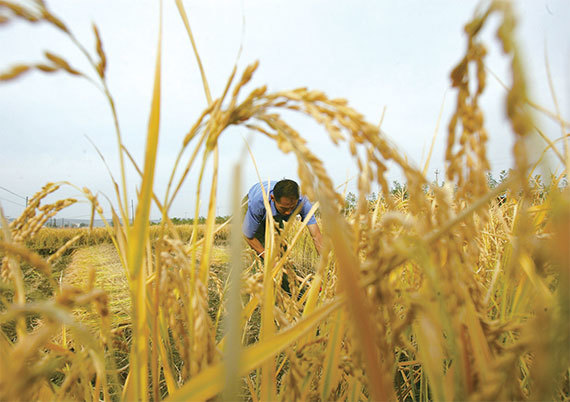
(285, 196)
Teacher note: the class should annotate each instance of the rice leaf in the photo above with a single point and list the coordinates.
(331, 374)
(137, 238)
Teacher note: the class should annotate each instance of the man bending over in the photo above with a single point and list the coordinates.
(284, 198)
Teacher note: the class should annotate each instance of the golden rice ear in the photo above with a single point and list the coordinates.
(61, 63)
(14, 72)
(102, 64)
(19, 11)
(55, 21)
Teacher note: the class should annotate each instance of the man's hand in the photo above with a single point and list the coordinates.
(256, 245)
(317, 237)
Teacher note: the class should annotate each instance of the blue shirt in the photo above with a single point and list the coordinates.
(255, 215)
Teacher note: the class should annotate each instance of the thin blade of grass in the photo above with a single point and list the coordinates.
(354, 387)
(558, 114)
(210, 222)
(427, 330)
(184, 17)
(137, 238)
(428, 159)
(167, 371)
(331, 373)
(348, 267)
(233, 351)
(268, 388)
(246, 313)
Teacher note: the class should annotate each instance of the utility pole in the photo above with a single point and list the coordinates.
(436, 177)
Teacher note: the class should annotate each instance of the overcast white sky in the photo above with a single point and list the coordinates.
(376, 54)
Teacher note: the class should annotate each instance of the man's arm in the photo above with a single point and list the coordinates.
(316, 235)
(255, 244)
(251, 222)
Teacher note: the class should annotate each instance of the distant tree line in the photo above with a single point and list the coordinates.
(201, 220)
(401, 190)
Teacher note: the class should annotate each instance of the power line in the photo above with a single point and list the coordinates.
(20, 205)
(13, 193)
(78, 217)
(84, 217)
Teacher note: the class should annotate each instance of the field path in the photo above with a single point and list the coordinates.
(109, 276)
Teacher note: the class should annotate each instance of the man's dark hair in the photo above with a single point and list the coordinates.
(286, 188)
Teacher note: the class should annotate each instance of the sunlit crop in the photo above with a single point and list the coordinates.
(459, 292)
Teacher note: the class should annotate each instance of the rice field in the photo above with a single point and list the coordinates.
(455, 292)
(50, 240)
